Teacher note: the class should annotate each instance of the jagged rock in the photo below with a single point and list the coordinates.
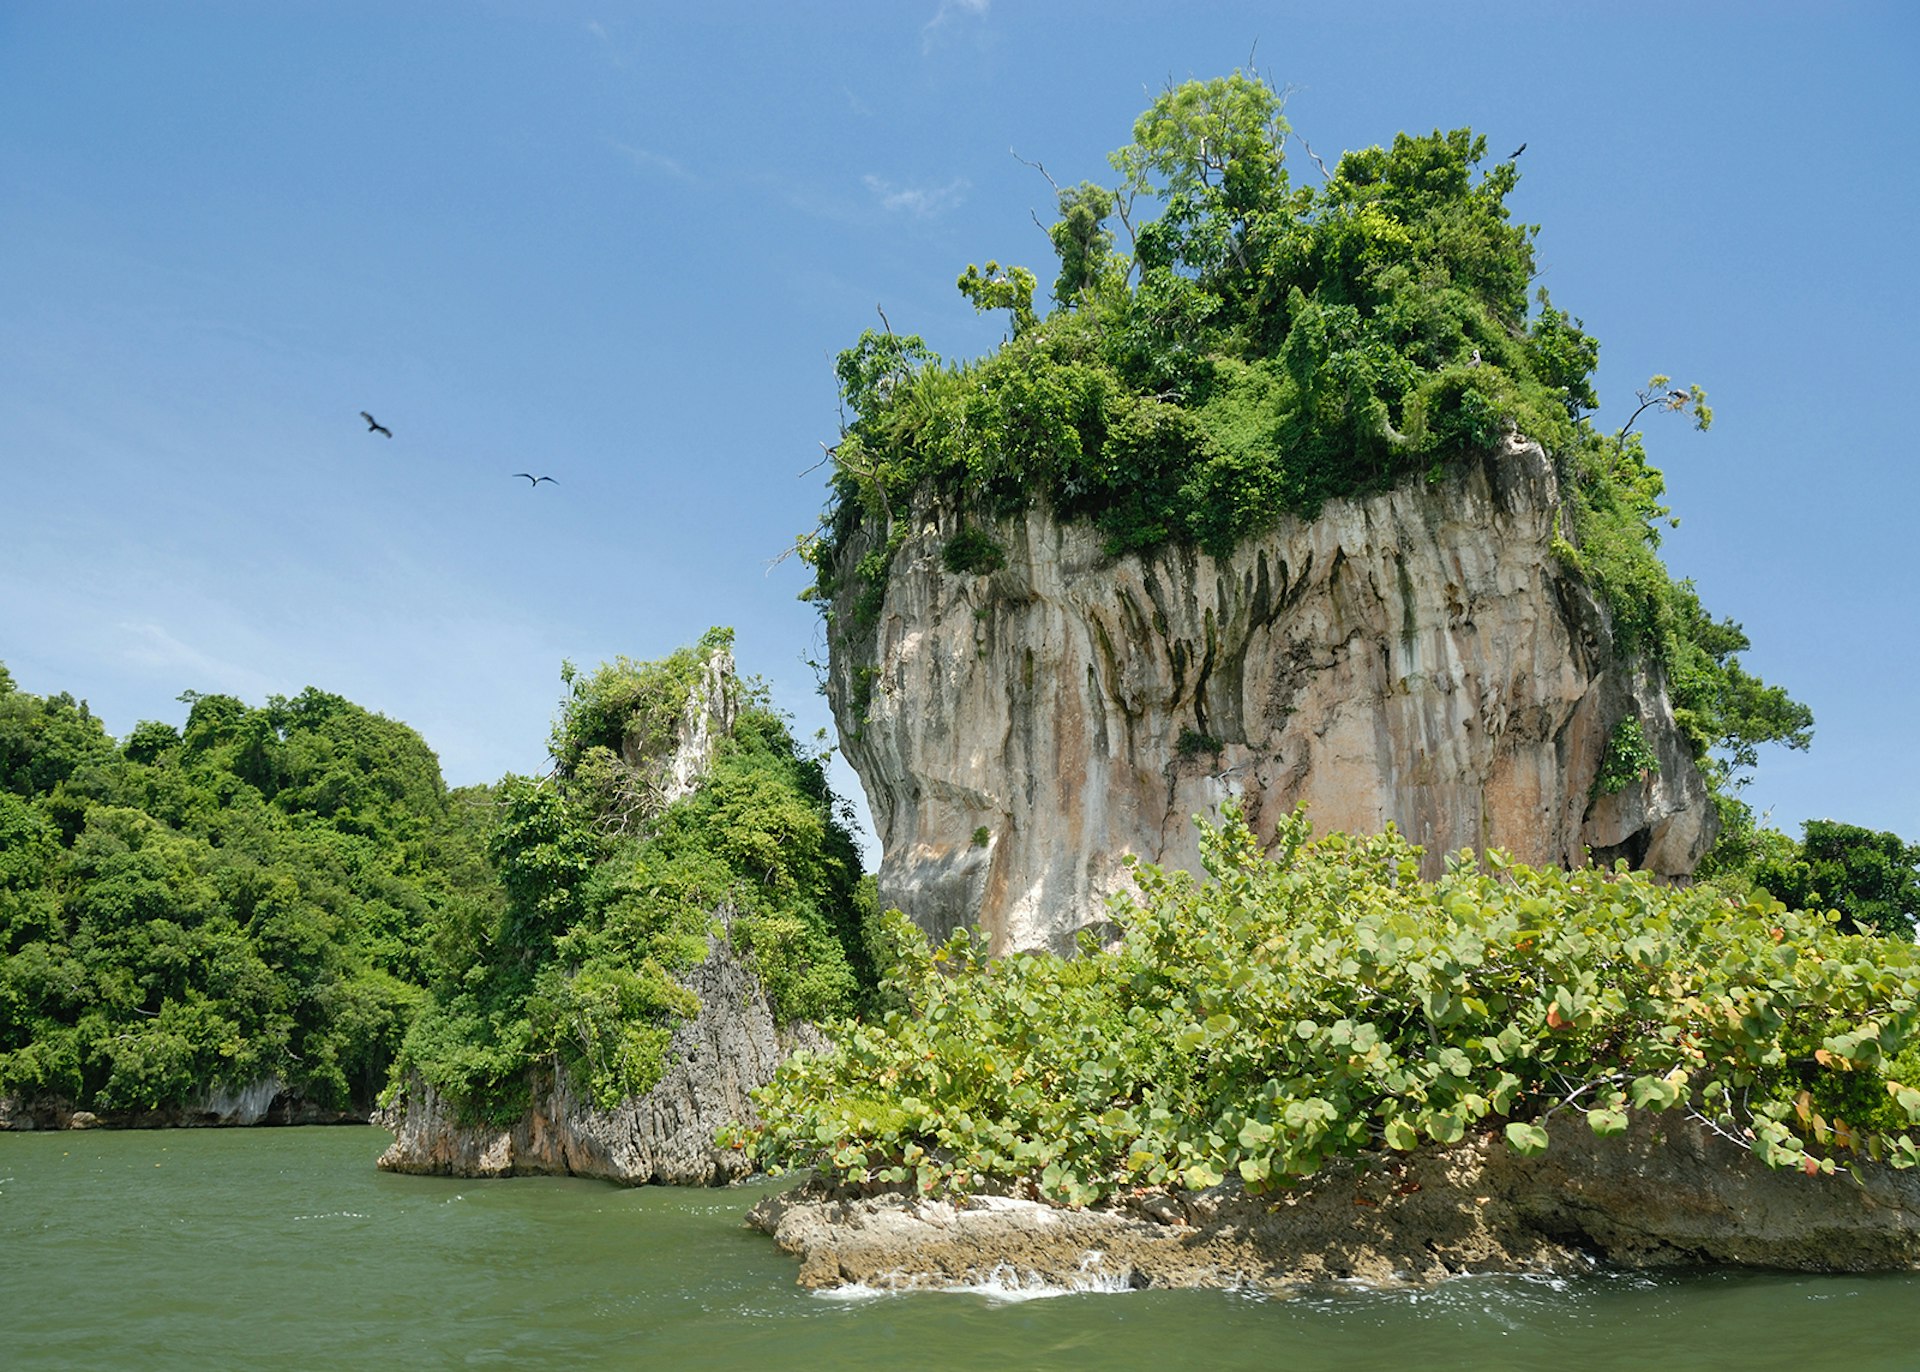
(730, 1048)
(1419, 657)
(1666, 1193)
(712, 705)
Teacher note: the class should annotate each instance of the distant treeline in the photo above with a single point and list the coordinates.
(292, 892)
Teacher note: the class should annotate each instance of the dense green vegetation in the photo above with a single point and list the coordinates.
(611, 891)
(243, 898)
(1327, 1001)
(1258, 347)
(291, 891)
(1870, 879)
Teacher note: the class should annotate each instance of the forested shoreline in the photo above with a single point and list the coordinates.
(288, 897)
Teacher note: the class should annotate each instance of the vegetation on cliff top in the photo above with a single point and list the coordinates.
(1326, 1001)
(610, 894)
(1257, 348)
(243, 898)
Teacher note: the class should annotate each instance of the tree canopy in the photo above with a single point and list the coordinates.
(240, 899)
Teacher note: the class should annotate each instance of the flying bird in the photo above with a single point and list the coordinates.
(1516, 152)
(535, 480)
(374, 426)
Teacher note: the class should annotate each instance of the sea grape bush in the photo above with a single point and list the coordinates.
(1326, 1001)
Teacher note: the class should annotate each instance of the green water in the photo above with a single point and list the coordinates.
(285, 1248)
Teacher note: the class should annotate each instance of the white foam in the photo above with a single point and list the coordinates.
(1004, 1284)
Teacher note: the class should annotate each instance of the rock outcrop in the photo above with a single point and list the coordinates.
(730, 1048)
(1664, 1194)
(1419, 657)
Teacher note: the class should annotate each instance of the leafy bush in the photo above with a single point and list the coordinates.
(972, 551)
(1328, 1002)
(1628, 759)
(1872, 879)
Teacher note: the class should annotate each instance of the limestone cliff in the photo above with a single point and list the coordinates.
(265, 1101)
(731, 1047)
(1419, 657)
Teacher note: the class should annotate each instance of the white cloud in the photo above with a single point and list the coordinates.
(153, 648)
(923, 202)
(949, 11)
(605, 39)
(647, 160)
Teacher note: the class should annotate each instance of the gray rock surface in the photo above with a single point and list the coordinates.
(1666, 1193)
(266, 1101)
(731, 1047)
(1418, 657)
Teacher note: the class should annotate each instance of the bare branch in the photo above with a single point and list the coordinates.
(1325, 174)
(801, 542)
(1037, 166)
(826, 457)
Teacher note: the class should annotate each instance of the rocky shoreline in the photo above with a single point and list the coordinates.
(1665, 1194)
(264, 1102)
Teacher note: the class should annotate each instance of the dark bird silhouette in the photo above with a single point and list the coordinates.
(1516, 152)
(535, 480)
(374, 426)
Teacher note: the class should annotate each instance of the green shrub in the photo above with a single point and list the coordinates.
(972, 552)
(1327, 1001)
(1627, 761)
(1193, 743)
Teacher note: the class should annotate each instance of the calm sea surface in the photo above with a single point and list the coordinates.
(285, 1249)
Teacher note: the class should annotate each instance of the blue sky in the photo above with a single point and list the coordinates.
(620, 244)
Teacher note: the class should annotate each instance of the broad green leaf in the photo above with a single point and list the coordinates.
(1607, 1122)
(1526, 1138)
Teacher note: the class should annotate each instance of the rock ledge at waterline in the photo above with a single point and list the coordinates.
(1665, 1194)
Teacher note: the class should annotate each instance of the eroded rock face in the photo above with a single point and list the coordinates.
(1418, 657)
(1666, 1193)
(729, 1049)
